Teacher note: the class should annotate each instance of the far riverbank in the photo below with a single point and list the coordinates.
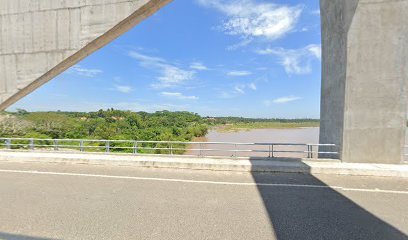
(246, 126)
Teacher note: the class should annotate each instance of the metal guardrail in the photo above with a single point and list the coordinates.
(164, 147)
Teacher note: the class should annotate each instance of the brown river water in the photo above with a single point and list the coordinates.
(295, 135)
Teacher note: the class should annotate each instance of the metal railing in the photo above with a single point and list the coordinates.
(201, 149)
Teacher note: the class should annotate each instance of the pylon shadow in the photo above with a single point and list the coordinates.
(298, 210)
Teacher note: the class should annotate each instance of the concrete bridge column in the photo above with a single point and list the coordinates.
(365, 75)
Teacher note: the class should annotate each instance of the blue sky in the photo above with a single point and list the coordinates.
(250, 58)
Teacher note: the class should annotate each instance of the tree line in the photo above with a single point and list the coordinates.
(108, 124)
(112, 124)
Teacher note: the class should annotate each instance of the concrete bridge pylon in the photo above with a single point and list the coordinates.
(364, 78)
(39, 39)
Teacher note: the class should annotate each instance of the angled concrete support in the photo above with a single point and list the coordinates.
(365, 75)
(40, 39)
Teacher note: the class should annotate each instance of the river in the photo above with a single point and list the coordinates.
(294, 135)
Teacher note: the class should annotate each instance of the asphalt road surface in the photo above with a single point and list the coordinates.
(68, 201)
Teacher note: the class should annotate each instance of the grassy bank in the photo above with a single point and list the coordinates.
(265, 125)
(239, 124)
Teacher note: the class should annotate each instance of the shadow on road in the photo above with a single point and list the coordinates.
(9, 236)
(318, 213)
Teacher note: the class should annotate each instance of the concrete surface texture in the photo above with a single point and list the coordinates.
(365, 75)
(39, 39)
(67, 201)
(282, 165)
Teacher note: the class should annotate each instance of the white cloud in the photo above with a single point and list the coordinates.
(198, 66)
(178, 95)
(282, 100)
(248, 18)
(170, 75)
(252, 86)
(295, 61)
(304, 29)
(123, 89)
(239, 73)
(315, 12)
(86, 72)
(316, 50)
(237, 90)
(240, 89)
(146, 60)
(241, 44)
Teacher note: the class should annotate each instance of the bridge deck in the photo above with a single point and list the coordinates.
(40, 201)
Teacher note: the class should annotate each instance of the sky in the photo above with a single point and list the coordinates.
(247, 58)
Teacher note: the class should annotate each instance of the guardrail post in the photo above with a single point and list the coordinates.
(8, 143)
(235, 152)
(107, 146)
(81, 145)
(309, 151)
(135, 147)
(56, 145)
(31, 144)
(171, 149)
(200, 153)
(272, 151)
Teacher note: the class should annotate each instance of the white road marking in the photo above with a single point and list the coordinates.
(376, 190)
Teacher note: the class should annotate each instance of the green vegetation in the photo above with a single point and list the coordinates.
(114, 124)
(237, 124)
(110, 125)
